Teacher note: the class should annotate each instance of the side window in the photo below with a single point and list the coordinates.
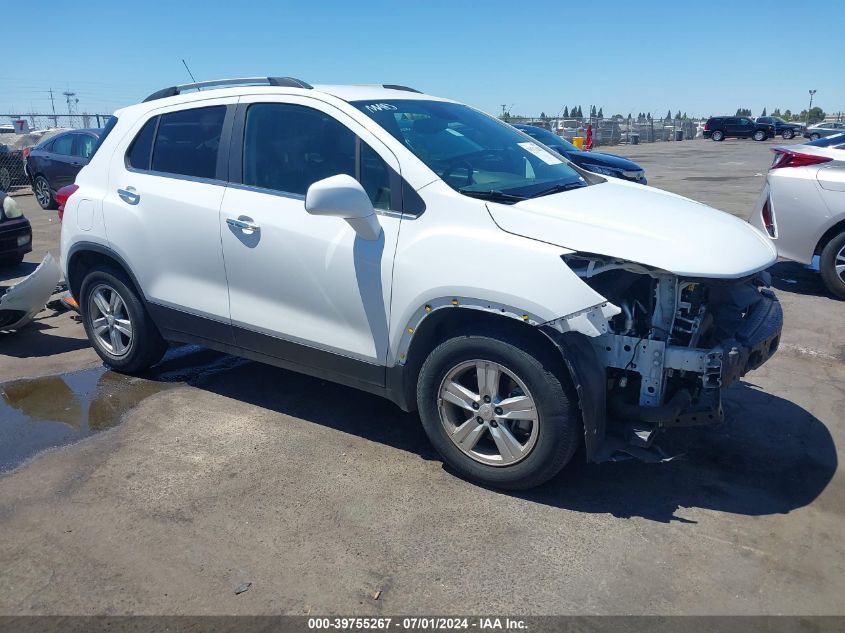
(744, 122)
(375, 177)
(141, 150)
(84, 145)
(187, 142)
(63, 145)
(289, 147)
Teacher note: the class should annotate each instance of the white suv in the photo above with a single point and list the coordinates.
(418, 249)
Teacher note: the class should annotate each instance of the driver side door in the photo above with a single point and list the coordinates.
(302, 288)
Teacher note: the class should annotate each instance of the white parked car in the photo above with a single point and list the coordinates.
(802, 207)
(416, 248)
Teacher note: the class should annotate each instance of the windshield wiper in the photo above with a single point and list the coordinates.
(559, 188)
(493, 194)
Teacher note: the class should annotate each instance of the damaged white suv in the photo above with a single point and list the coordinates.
(418, 249)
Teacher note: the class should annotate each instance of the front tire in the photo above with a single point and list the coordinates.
(788, 134)
(718, 135)
(117, 324)
(43, 193)
(759, 135)
(833, 265)
(815, 137)
(499, 408)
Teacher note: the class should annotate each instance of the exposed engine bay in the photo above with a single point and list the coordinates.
(677, 342)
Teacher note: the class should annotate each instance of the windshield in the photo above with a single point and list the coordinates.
(473, 152)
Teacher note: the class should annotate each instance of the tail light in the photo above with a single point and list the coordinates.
(62, 196)
(791, 158)
(707, 125)
(768, 217)
(26, 151)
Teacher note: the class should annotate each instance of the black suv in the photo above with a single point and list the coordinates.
(721, 127)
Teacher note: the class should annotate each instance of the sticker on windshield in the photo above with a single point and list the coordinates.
(544, 155)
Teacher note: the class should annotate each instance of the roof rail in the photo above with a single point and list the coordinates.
(398, 87)
(172, 91)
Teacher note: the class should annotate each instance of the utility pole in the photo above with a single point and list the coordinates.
(504, 105)
(812, 92)
(71, 99)
(53, 103)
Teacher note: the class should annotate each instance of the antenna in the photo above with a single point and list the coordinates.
(189, 71)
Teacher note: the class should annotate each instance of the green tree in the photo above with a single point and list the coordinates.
(776, 112)
(669, 114)
(814, 116)
(787, 114)
(764, 111)
(685, 117)
(601, 113)
(592, 111)
(565, 112)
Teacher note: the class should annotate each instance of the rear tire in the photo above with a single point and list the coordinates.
(832, 256)
(718, 135)
(43, 194)
(788, 134)
(759, 135)
(129, 341)
(815, 137)
(532, 382)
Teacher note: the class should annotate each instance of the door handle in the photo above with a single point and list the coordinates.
(129, 196)
(246, 226)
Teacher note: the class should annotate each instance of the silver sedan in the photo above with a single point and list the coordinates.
(802, 207)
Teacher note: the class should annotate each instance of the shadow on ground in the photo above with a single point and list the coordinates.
(36, 340)
(771, 456)
(798, 279)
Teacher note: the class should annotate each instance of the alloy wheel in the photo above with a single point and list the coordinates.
(42, 192)
(839, 263)
(110, 321)
(488, 413)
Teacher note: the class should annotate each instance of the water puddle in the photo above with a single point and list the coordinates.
(51, 411)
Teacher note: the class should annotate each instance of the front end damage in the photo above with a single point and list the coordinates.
(673, 343)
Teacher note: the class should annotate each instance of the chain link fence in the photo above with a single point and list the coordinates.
(616, 130)
(19, 133)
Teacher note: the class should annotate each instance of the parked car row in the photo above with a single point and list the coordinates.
(820, 130)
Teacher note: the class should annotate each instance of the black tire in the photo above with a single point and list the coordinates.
(834, 282)
(43, 193)
(815, 137)
(759, 135)
(788, 134)
(10, 261)
(146, 346)
(541, 370)
(717, 135)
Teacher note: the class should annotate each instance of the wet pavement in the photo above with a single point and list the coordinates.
(53, 411)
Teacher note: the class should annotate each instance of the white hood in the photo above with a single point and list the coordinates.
(643, 225)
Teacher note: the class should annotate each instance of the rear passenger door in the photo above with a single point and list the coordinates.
(60, 169)
(162, 215)
(306, 288)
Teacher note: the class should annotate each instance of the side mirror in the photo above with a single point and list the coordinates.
(342, 196)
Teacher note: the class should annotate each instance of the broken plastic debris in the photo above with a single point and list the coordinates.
(242, 588)
(21, 302)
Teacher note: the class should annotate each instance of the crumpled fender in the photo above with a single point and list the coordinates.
(21, 302)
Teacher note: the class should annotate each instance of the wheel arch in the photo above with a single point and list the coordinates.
(828, 235)
(579, 362)
(85, 256)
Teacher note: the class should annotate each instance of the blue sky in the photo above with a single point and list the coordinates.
(706, 58)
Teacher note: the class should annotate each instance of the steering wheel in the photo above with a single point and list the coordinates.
(455, 164)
